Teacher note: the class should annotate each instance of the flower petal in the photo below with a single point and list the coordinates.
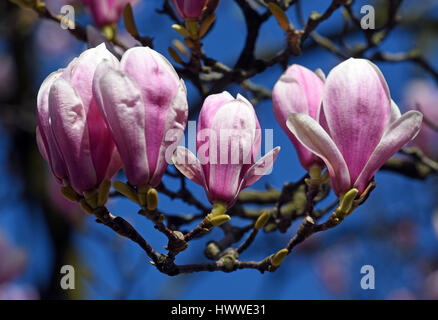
(357, 107)
(395, 112)
(120, 102)
(287, 97)
(400, 132)
(174, 130)
(187, 163)
(233, 128)
(69, 127)
(158, 83)
(260, 168)
(313, 136)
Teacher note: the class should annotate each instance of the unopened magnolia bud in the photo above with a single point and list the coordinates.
(347, 201)
(126, 190)
(142, 195)
(262, 220)
(278, 258)
(70, 194)
(280, 16)
(218, 220)
(103, 194)
(181, 30)
(152, 199)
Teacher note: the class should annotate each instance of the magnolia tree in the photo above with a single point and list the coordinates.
(124, 107)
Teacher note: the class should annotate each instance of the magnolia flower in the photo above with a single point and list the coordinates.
(228, 142)
(359, 126)
(189, 9)
(423, 96)
(106, 12)
(71, 133)
(298, 90)
(144, 104)
(12, 261)
(18, 292)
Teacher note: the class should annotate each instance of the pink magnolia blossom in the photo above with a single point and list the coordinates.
(423, 96)
(189, 9)
(228, 142)
(298, 90)
(359, 126)
(12, 261)
(144, 103)
(106, 12)
(71, 134)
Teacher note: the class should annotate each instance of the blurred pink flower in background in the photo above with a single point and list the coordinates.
(60, 40)
(106, 12)
(71, 211)
(430, 290)
(401, 294)
(12, 261)
(18, 292)
(332, 266)
(423, 96)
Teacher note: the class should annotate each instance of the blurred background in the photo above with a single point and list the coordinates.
(396, 231)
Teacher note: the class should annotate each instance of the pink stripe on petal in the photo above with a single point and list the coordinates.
(174, 130)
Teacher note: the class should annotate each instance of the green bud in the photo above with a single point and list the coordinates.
(85, 206)
(70, 194)
(262, 220)
(280, 16)
(206, 24)
(192, 27)
(109, 31)
(128, 17)
(347, 201)
(175, 56)
(152, 199)
(218, 220)
(142, 195)
(126, 190)
(181, 30)
(278, 258)
(103, 194)
(219, 208)
(91, 198)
